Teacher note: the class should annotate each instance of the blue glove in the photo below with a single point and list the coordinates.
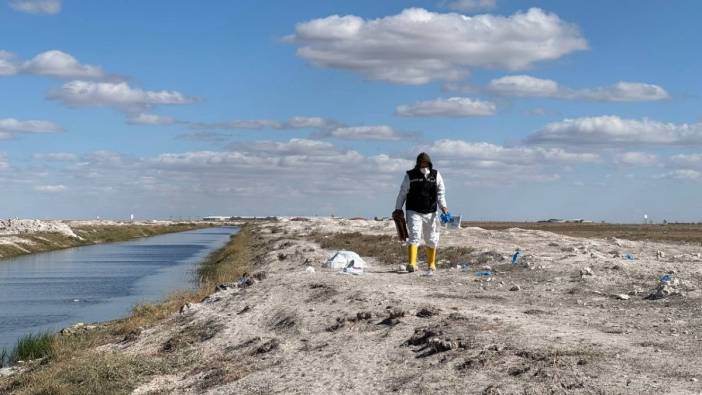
(445, 218)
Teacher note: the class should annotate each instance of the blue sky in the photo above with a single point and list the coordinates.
(530, 109)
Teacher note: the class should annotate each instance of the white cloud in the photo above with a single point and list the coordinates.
(8, 64)
(542, 112)
(528, 86)
(4, 164)
(481, 163)
(57, 157)
(311, 123)
(53, 63)
(687, 159)
(682, 174)
(50, 7)
(613, 130)
(61, 65)
(50, 188)
(118, 95)
(637, 159)
(472, 5)
(10, 127)
(418, 46)
(459, 149)
(377, 132)
(149, 119)
(451, 107)
(297, 122)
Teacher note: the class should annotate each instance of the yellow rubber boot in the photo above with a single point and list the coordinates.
(412, 266)
(431, 258)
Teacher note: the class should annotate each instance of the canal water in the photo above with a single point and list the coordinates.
(53, 290)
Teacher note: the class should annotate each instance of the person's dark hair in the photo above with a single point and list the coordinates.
(423, 157)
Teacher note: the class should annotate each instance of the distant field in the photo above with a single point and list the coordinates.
(670, 232)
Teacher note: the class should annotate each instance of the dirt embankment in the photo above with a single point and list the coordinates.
(573, 315)
(21, 237)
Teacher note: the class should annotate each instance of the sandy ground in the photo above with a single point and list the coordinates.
(571, 317)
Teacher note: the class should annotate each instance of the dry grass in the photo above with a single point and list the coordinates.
(387, 249)
(670, 232)
(74, 367)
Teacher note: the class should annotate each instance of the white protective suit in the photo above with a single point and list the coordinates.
(422, 226)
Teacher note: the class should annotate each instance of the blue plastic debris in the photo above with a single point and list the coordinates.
(666, 278)
(629, 257)
(484, 274)
(516, 256)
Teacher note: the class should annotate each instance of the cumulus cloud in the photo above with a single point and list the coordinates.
(61, 65)
(472, 5)
(150, 119)
(687, 159)
(8, 64)
(118, 95)
(488, 164)
(11, 127)
(613, 130)
(418, 46)
(57, 157)
(53, 63)
(637, 159)
(528, 86)
(297, 122)
(451, 107)
(374, 132)
(50, 188)
(481, 151)
(323, 128)
(682, 174)
(49, 7)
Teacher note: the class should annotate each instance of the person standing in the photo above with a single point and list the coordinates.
(423, 193)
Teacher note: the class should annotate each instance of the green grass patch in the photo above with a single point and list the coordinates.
(33, 346)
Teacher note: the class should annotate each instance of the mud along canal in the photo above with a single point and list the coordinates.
(53, 290)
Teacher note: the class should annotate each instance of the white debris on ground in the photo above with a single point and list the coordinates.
(10, 227)
(580, 322)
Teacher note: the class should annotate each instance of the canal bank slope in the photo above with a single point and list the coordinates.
(23, 236)
(573, 315)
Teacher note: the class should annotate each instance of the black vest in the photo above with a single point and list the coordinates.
(422, 196)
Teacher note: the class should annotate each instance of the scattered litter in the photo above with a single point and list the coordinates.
(660, 254)
(516, 288)
(586, 272)
(342, 259)
(622, 296)
(309, 269)
(667, 286)
(352, 269)
(629, 257)
(516, 256)
(428, 273)
(484, 274)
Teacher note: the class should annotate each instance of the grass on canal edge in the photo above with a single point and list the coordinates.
(72, 365)
(96, 234)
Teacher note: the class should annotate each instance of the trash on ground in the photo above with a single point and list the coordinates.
(342, 259)
(586, 272)
(516, 256)
(629, 257)
(484, 274)
(668, 285)
(309, 269)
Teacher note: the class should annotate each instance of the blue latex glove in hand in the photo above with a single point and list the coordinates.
(445, 218)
